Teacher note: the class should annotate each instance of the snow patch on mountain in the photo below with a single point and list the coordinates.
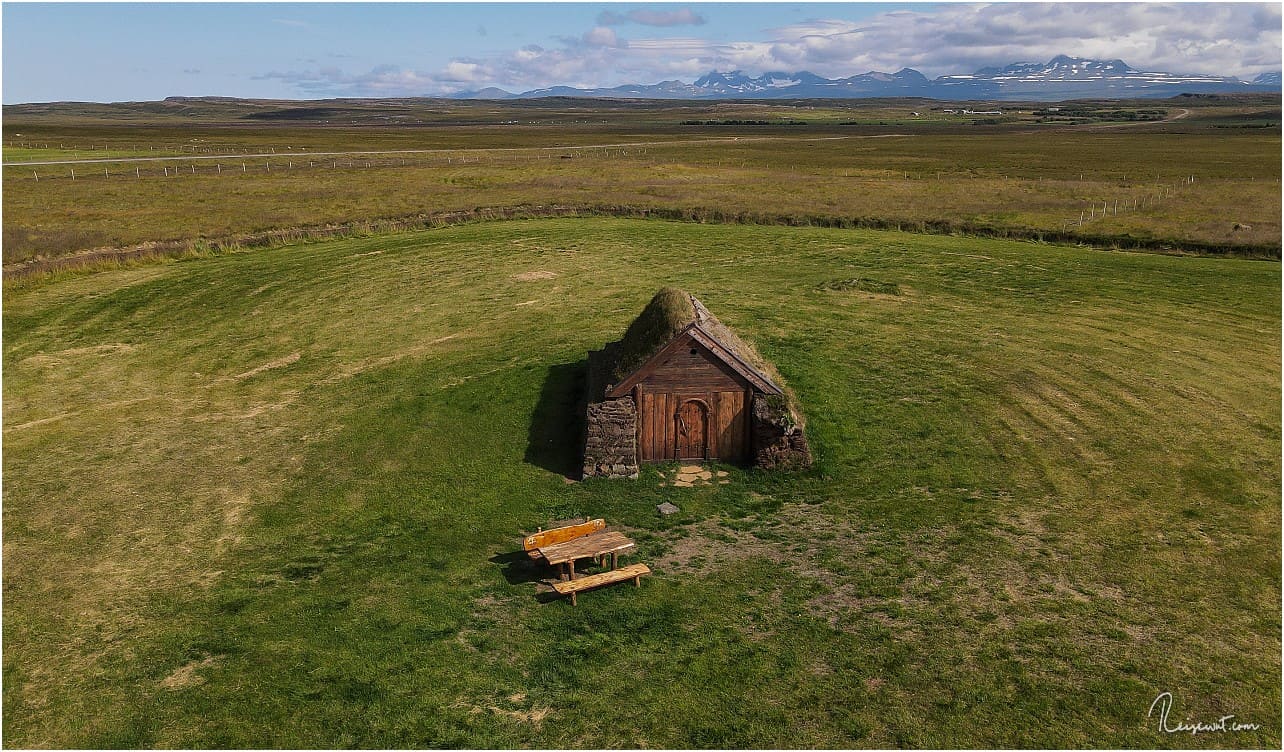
(1062, 77)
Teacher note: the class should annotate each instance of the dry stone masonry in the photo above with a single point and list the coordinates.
(681, 386)
(610, 443)
(778, 441)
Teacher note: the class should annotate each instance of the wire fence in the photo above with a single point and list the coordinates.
(203, 148)
(1151, 197)
(125, 168)
(1137, 198)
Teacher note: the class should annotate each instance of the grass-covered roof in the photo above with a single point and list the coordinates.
(670, 311)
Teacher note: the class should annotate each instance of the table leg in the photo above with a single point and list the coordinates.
(570, 567)
(613, 560)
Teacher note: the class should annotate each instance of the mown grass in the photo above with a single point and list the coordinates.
(1030, 178)
(274, 498)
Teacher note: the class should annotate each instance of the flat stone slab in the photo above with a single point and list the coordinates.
(666, 508)
(689, 476)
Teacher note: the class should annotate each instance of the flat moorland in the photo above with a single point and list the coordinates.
(274, 498)
(1204, 178)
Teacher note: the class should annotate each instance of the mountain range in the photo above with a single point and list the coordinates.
(1060, 78)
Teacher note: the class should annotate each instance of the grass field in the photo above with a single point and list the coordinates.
(1024, 177)
(273, 498)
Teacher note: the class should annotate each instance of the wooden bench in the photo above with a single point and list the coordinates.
(533, 543)
(632, 572)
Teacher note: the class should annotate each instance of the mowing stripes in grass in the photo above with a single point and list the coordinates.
(276, 499)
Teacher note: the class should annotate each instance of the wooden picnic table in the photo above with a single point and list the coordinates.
(593, 546)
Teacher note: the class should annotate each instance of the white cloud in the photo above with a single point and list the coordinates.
(679, 17)
(462, 72)
(601, 36)
(382, 81)
(1226, 38)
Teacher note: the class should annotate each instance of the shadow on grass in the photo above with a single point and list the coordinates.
(519, 569)
(557, 424)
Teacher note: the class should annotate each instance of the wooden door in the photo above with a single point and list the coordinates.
(656, 437)
(730, 425)
(692, 430)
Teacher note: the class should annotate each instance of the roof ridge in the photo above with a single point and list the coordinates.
(702, 314)
(735, 352)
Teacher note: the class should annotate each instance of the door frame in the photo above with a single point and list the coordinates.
(706, 412)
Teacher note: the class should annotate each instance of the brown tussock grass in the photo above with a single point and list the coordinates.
(278, 363)
(188, 674)
(534, 275)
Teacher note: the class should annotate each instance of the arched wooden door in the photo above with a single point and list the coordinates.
(692, 430)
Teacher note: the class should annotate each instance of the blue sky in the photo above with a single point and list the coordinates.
(143, 51)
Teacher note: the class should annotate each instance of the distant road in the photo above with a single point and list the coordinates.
(394, 152)
(1140, 123)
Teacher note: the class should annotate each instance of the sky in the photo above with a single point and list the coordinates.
(106, 52)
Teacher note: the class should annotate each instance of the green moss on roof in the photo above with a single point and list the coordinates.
(666, 315)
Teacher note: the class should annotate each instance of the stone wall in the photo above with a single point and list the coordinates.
(778, 440)
(610, 441)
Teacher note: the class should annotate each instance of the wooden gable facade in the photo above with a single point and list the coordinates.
(693, 400)
(681, 386)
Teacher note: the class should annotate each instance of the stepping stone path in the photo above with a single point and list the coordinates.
(694, 475)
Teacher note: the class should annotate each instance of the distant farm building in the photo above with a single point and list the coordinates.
(681, 386)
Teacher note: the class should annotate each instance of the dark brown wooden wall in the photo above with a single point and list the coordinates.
(680, 375)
